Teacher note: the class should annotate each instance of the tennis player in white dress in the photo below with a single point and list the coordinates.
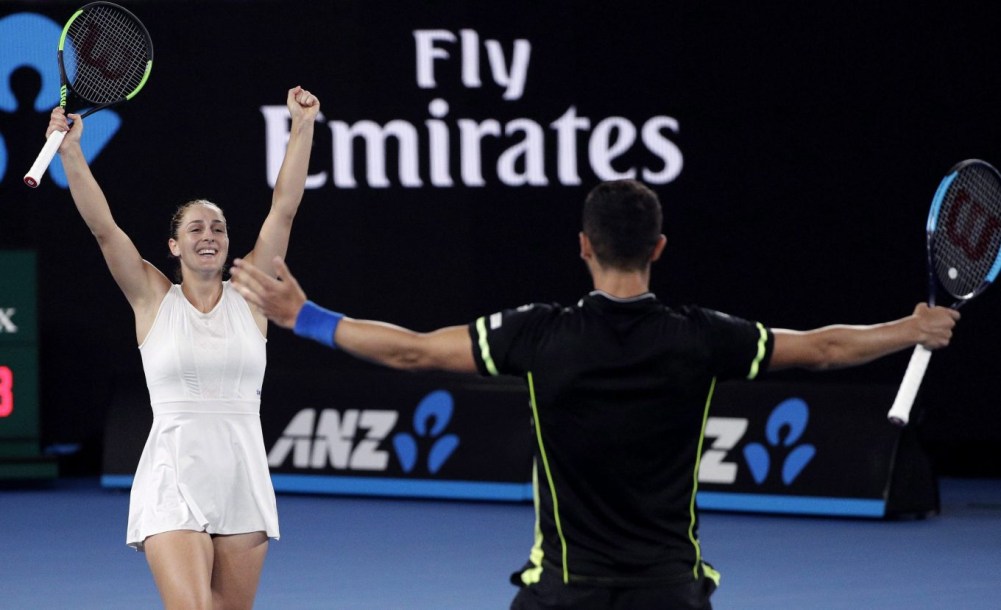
(202, 506)
(204, 466)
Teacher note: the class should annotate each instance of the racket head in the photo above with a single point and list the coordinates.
(964, 230)
(105, 57)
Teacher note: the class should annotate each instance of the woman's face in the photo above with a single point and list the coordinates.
(202, 243)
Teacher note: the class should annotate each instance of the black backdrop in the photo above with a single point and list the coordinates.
(812, 139)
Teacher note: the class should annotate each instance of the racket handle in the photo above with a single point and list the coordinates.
(900, 412)
(34, 175)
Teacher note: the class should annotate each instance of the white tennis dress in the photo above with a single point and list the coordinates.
(204, 466)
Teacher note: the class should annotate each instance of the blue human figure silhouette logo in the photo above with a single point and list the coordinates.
(791, 415)
(431, 417)
(28, 42)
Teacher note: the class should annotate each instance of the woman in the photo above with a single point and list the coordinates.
(202, 505)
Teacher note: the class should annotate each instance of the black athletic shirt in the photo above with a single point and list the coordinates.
(619, 392)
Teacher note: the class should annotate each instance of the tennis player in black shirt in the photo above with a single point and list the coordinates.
(619, 387)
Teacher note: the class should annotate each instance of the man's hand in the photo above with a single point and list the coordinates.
(279, 299)
(935, 325)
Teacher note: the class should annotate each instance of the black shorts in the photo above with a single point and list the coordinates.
(551, 593)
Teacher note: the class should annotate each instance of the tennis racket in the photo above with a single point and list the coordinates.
(964, 254)
(105, 56)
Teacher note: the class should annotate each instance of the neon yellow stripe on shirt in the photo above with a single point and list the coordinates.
(695, 483)
(481, 337)
(549, 476)
(762, 344)
(534, 574)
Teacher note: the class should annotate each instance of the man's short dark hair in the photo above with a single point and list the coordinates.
(622, 219)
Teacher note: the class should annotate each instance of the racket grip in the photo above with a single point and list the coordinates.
(34, 175)
(900, 412)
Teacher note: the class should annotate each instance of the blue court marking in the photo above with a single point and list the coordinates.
(116, 481)
(406, 488)
(477, 490)
(793, 505)
(396, 488)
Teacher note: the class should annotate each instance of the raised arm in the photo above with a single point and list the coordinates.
(283, 301)
(142, 284)
(290, 185)
(833, 347)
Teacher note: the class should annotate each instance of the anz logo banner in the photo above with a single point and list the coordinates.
(352, 439)
(769, 447)
(774, 448)
(806, 449)
(783, 433)
(410, 439)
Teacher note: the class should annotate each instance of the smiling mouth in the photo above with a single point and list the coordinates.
(207, 252)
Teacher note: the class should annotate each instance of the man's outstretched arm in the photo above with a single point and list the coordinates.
(284, 302)
(843, 346)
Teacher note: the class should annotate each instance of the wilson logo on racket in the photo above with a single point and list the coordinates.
(961, 228)
(87, 54)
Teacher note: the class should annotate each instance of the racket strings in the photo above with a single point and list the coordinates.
(968, 239)
(106, 55)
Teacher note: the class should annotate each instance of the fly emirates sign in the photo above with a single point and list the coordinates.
(444, 147)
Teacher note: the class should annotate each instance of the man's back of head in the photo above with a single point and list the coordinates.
(622, 219)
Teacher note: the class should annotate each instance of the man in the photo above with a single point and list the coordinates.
(619, 388)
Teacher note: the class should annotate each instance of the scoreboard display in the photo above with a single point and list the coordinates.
(20, 456)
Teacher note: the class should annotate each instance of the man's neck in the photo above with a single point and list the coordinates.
(621, 284)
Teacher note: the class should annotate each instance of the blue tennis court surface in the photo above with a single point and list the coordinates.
(64, 547)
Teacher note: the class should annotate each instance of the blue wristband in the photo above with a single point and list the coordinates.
(317, 323)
